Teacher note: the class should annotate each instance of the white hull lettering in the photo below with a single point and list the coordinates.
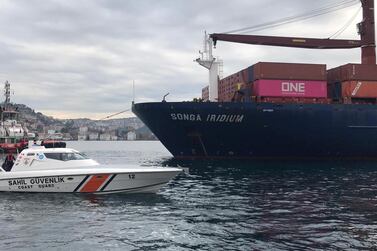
(185, 116)
(223, 118)
(239, 118)
(218, 118)
(292, 87)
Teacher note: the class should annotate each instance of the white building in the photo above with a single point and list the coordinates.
(83, 129)
(93, 136)
(81, 137)
(131, 135)
(105, 136)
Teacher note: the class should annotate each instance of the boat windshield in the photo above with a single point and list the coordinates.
(65, 156)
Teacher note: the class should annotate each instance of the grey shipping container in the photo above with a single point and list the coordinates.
(335, 91)
(250, 74)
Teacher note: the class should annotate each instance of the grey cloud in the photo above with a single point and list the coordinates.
(83, 55)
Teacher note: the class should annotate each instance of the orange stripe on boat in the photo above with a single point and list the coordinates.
(94, 183)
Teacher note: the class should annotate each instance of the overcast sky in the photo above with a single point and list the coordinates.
(78, 58)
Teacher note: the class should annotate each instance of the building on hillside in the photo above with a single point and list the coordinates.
(83, 129)
(105, 137)
(93, 136)
(82, 137)
(131, 135)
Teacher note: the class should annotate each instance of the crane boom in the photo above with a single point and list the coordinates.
(298, 42)
(366, 42)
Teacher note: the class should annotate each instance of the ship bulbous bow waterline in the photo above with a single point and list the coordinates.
(211, 130)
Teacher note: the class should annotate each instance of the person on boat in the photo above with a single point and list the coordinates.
(35, 143)
(8, 163)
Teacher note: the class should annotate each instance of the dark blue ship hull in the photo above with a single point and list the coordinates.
(263, 130)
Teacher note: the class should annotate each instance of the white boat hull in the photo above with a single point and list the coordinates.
(104, 182)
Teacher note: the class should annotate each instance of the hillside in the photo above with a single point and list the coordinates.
(39, 123)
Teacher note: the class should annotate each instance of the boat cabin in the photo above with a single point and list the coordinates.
(40, 158)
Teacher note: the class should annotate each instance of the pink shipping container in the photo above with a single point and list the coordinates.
(290, 88)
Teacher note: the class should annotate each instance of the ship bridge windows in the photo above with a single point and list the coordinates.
(65, 156)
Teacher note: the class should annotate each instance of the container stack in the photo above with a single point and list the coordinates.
(353, 83)
(228, 86)
(287, 82)
(277, 82)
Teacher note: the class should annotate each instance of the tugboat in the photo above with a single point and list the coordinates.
(13, 135)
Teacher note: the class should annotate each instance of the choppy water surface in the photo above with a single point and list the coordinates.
(219, 205)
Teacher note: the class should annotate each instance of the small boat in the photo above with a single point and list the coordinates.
(65, 170)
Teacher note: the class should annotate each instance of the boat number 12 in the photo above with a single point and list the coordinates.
(131, 176)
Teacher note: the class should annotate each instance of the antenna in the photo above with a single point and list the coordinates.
(7, 92)
(133, 91)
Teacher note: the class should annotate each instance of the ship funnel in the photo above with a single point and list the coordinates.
(209, 62)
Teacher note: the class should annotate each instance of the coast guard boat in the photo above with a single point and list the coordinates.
(64, 170)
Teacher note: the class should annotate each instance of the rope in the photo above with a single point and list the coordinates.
(112, 115)
(321, 11)
(340, 31)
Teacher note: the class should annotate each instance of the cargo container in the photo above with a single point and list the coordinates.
(242, 94)
(250, 74)
(334, 91)
(227, 91)
(359, 89)
(349, 72)
(294, 100)
(205, 93)
(290, 88)
(229, 85)
(266, 70)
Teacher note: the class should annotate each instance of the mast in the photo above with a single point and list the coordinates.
(7, 93)
(208, 61)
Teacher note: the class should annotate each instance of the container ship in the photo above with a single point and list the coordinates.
(277, 110)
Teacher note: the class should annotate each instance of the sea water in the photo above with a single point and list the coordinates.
(238, 205)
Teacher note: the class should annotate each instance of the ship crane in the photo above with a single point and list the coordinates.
(366, 31)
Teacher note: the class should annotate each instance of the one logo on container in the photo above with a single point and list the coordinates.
(292, 87)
